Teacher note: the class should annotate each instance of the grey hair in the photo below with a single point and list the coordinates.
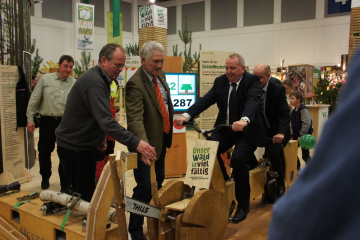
(148, 48)
(108, 51)
(238, 56)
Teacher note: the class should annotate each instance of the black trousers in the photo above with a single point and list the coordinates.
(46, 146)
(274, 152)
(83, 167)
(142, 191)
(243, 148)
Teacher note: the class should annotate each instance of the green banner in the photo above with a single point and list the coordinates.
(85, 22)
(116, 12)
(109, 26)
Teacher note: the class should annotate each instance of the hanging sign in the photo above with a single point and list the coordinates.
(150, 16)
(85, 23)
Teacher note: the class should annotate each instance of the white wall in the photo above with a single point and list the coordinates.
(318, 42)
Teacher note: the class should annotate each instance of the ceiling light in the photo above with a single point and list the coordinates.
(152, 1)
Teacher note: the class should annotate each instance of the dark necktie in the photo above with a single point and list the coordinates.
(262, 100)
(162, 105)
(232, 104)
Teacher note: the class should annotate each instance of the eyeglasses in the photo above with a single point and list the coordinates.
(118, 65)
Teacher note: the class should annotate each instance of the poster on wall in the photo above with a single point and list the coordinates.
(12, 137)
(298, 75)
(85, 23)
(212, 65)
(109, 25)
(150, 16)
(310, 81)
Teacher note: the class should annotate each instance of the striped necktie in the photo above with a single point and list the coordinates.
(232, 104)
(262, 99)
(162, 105)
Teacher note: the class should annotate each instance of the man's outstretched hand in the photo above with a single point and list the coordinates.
(147, 152)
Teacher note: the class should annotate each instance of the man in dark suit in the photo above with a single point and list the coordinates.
(277, 116)
(149, 112)
(237, 95)
(272, 79)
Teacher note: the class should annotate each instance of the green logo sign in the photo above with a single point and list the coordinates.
(85, 13)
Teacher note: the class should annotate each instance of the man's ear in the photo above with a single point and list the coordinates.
(103, 60)
(142, 60)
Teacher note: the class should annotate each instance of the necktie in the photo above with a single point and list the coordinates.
(262, 99)
(162, 105)
(232, 104)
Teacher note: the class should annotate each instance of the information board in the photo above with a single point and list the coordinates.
(182, 89)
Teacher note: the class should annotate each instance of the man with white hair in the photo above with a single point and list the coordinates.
(149, 113)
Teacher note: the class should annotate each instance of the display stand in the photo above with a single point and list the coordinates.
(303, 78)
(12, 138)
(319, 115)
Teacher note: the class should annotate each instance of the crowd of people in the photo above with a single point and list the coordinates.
(79, 115)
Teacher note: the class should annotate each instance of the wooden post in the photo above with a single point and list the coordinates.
(116, 174)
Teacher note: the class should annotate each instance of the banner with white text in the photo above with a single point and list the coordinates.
(85, 23)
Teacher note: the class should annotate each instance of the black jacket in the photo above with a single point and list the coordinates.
(277, 110)
(22, 100)
(248, 95)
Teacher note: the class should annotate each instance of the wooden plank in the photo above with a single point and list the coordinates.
(217, 180)
(290, 157)
(119, 197)
(257, 181)
(100, 206)
(173, 65)
(208, 209)
(9, 232)
(178, 206)
(175, 158)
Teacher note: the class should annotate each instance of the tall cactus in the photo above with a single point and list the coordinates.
(186, 38)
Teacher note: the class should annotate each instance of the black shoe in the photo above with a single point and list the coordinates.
(45, 184)
(138, 237)
(240, 215)
(280, 187)
(280, 191)
(66, 190)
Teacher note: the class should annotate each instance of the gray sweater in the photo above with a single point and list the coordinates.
(87, 117)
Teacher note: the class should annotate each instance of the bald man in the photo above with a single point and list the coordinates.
(277, 115)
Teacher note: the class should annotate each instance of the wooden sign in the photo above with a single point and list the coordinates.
(201, 161)
(12, 138)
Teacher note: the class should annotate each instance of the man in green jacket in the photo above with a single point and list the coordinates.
(149, 113)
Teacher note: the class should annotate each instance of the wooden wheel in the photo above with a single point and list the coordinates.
(171, 192)
(205, 217)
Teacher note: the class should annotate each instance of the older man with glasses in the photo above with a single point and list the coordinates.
(87, 119)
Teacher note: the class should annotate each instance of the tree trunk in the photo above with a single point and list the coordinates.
(18, 56)
(21, 29)
(1, 35)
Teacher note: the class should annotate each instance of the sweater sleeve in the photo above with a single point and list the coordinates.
(306, 121)
(98, 103)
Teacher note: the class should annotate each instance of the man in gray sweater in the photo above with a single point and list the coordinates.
(87, 119)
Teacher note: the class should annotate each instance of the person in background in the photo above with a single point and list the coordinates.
(87, 119)
(277, 116)
(272, 79)
(49, 97)
(301, 122)
(149, 112)
(34, 81)
(289, 87)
